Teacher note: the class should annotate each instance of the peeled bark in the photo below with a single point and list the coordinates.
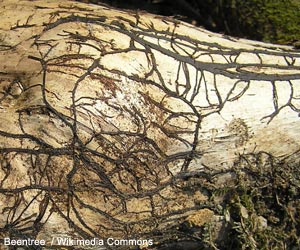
(112, 122)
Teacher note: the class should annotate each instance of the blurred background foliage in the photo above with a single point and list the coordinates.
(275, 21)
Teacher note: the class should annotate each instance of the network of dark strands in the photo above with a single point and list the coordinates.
(61, 193)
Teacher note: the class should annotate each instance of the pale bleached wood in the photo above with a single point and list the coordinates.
(140, 96)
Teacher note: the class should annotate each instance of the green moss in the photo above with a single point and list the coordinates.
(267, 190)
(276, 21)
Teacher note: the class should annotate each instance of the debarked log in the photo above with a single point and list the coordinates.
(105, 114)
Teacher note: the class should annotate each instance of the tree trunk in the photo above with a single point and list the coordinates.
(121, 124)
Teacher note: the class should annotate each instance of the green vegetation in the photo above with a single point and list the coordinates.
(257, 208)
(275, 21)
(263, 206)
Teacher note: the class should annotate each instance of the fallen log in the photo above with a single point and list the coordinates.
(107, 117)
